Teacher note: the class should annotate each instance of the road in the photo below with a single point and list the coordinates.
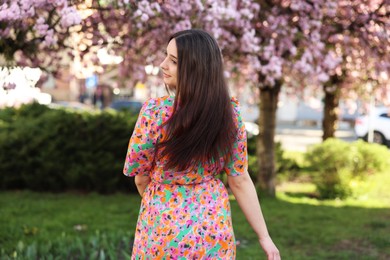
(299, 138)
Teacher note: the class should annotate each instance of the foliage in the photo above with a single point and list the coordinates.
(295, 223)
(56, 150)
(337, 164)
(99, 246)
(284, 166)
(370, 158)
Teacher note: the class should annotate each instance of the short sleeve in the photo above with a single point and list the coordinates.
(141, 148)
(239, 162)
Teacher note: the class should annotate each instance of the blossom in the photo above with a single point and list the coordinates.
(69, 16)
(41, 27)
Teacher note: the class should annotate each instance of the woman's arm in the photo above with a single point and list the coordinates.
(246, 196)
(141, 182)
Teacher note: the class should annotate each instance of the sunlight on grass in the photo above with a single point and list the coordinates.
(370, 193)
(296, 156)
(364, 203)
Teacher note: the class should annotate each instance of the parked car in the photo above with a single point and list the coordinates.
(380, 125)
(123, 104)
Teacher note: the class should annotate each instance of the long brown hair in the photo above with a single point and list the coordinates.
(201, 128)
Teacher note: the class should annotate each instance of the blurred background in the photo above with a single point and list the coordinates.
(312, 78)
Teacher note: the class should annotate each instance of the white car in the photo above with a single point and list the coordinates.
(380, 123)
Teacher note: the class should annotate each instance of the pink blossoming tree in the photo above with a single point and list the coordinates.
(333, 46)
(352, 40)
(358, 33)
(33, 31)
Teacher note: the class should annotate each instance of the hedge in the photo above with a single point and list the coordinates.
(47, 149)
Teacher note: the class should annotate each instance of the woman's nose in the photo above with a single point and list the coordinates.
(162, 65)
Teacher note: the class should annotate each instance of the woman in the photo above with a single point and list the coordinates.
(178, 147)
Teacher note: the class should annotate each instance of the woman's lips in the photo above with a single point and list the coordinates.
(166, 75)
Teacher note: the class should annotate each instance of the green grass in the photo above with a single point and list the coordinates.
(41, 217)
(304, 231)
(96, 226)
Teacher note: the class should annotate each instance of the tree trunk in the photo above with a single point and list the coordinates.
(332, 99)
(265, 141)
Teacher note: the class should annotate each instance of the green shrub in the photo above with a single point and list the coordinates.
(253, 167)
(371, 158)
(251, 143)
(337, 163)
(283, 165)
(47, 149)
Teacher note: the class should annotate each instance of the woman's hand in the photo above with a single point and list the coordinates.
(269, 248)
(245, 193)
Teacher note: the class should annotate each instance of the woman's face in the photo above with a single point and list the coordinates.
(169, 65)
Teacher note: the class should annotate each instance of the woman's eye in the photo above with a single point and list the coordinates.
(174, 62)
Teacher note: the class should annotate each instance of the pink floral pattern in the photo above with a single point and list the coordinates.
(183, 215)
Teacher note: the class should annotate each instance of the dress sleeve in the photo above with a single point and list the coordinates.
(239, 162)
(140, 152)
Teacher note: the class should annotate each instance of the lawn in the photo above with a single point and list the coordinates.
(93, 226)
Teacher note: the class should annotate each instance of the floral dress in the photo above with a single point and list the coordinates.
(183, 215)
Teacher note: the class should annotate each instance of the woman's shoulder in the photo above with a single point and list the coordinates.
(159, 106)
(158, 102)
(235, 104)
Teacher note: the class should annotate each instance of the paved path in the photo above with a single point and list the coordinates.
(299, 138)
